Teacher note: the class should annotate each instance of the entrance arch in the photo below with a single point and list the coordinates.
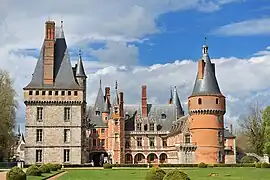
(139, 158)
(163, 158)
(152, 158)
(98, 158)
(128, 159)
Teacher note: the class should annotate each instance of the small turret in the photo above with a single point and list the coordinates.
(176, 101)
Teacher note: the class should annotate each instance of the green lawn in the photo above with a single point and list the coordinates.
(42, 176)
(194, 174)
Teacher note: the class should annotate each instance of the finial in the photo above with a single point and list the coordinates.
(205, 40)
(62, 23)
(116, 84)
(100, 82)
(80, 53)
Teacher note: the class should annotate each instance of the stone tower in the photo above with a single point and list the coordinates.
(116, 128)
(206, 107)
(55, 102)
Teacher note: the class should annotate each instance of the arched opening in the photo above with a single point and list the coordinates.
(152, 158)
(163, 158)
(98, 158)
(199, 101)
(139, 158)
(217, 101)
(128, 159)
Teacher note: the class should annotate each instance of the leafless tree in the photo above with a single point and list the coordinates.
(253, 128)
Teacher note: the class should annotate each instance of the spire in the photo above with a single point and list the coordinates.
(116, 97)
(177, 103)
(61, 31)
(99, 104)
(80, 69)
(206, 82)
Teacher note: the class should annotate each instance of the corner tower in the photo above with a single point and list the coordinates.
(206, 107)
(55, 105)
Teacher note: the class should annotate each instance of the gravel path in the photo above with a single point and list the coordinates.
(58, 175)
(2, 175)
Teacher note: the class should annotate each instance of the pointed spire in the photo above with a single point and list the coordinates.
(61, 33)
(171, 97)
(177, 103)
(80, 69)
(116, 97)
(207, 84)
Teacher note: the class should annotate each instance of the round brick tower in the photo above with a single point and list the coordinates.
(206, 108)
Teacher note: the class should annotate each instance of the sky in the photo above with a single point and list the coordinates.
(153, 42)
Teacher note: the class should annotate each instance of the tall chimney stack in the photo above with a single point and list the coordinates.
(108, 95)
(121, 104)
(144, 101)
(49, 52)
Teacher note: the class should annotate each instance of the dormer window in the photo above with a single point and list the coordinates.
(97, 113)
(115, 110)
(152, 126)
(163, 116)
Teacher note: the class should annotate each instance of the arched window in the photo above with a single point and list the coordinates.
(217, 101)
(199, 101)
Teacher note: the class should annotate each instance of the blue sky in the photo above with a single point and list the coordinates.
(151, 42)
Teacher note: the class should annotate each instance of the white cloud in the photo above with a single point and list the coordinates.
(238, 80)
(122, 21)
(245, 28)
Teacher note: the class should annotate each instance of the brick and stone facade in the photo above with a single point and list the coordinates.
(60, 128)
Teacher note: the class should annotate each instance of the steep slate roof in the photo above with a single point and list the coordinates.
(80, 69)
(208, 84)
(154, 112)
(176, 101)
(63, 71)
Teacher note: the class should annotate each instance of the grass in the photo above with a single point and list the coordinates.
(193, 173)
(44, 175)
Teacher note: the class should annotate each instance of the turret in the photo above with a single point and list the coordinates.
(176, 101)
(81, 79)
(206, 107)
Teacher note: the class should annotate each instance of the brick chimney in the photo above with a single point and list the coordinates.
(144, 101)
(201, 66)
(108, 95)
(49, 52)
(121, 104)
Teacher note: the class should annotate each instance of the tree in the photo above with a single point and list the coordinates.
(254, 129)
(266, 124)
(7, 114)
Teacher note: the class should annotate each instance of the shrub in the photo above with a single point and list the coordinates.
(16, 173)
(44, 168)
(58, 166)
(202, 165)
(258, 165)
(265, 165)
(248, 159)
(155, 173)
(107, 166)
(33, 171)
(176, 175)
(52, 167)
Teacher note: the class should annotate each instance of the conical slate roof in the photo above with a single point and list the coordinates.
(208, 84)
(63, 73)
